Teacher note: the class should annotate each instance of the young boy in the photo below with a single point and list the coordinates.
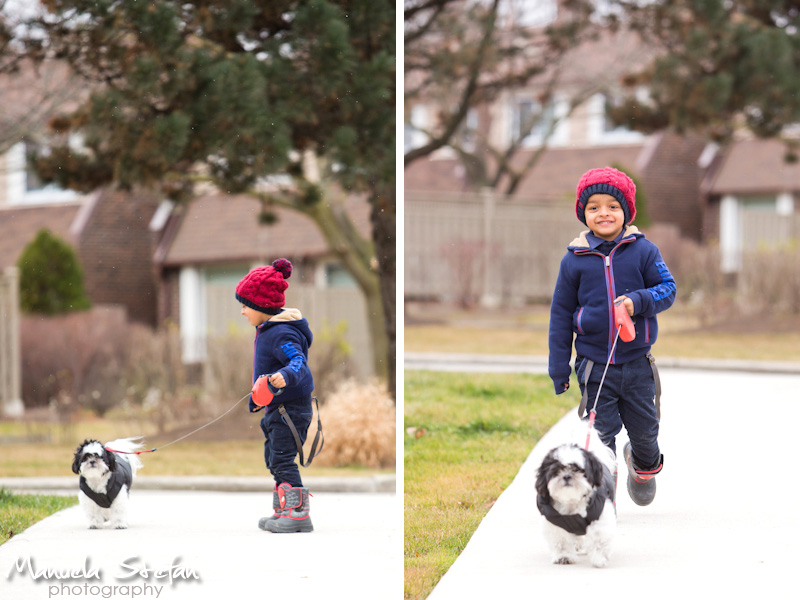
(281, 355)
(612, 263)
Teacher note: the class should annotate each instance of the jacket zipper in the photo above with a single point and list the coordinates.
(611, 294)
(610, 290)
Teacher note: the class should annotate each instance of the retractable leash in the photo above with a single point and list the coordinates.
(262, 396)
(627, 332)
(185, 436)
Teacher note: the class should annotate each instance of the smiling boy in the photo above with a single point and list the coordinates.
(612, 262)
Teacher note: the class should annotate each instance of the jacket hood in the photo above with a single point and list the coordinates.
(581, 241)
(288, 314)
(294, 318)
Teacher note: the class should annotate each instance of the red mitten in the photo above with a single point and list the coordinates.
(262, 395)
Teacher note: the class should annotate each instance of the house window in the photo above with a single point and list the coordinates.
(536, 124)
(601, 129)
(23, 185)
(468, 133)
(414, 135)
(337, 276)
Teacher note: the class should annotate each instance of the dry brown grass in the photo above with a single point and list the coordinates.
(358, 421)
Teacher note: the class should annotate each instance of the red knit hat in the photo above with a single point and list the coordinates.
(607, 181)
(262, 288)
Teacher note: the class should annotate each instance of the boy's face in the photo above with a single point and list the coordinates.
(254, 317)
(604, 216)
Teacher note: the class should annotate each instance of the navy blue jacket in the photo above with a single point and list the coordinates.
(582, 307)
(282, 345)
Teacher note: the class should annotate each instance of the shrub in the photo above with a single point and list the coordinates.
(74, 360)
(159, 387)
(50, 277)
(358, 421)
(770, 279)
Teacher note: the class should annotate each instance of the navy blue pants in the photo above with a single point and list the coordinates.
(280, 447)
(627, 398)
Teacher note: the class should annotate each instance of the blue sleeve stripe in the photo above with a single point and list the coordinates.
(296, 357)
(667, 286)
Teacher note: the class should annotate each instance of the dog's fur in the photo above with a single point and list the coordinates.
(96, 466)
(566, 480)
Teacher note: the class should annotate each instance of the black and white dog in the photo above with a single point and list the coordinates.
(575, 493)
(105, 480)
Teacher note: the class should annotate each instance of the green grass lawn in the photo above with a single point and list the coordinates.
(524, 331)
(466, 437)
(20, 511)
(230, 458)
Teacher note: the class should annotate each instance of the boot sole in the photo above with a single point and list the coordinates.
(276, 527)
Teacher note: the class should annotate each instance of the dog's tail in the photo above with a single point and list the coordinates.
(129, 445)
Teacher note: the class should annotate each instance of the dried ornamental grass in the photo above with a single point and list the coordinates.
(358, 421)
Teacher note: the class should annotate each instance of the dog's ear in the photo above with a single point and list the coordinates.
(594, 469)
(111, 459)
(543, 475)
(76, 461)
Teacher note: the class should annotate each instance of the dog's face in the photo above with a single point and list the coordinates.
(568, 475)
(92, 460)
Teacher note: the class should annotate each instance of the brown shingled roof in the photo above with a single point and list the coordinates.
(18, 226)
(755, 167)
(554, 176)
(219, 228)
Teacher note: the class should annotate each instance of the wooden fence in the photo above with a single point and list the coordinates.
(769, 230)
(10, 363)
(326, 309)
(483, 249)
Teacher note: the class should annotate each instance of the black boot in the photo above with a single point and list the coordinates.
(292, 517)
(641, 482)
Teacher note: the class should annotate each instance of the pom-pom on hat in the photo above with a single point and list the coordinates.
(607, 180)
(262, 288)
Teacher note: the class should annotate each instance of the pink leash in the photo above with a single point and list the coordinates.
(622, 320)
(593, 412)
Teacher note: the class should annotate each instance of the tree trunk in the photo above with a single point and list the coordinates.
(384, 236)
(357, 254)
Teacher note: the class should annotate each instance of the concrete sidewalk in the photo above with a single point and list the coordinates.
(724, 523)
(354, 552)
(531, 363)
(212, 483)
